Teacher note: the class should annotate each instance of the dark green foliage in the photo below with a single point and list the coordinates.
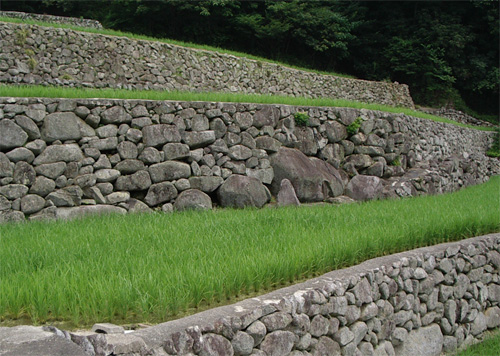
(353, 128)
(301, 118)
(494, 151)
(446, 51)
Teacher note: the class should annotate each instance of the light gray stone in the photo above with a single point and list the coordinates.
(12, 135)
(364, 187)
(157, 135)
(276, 321)
(28, 126)
(160, 193)
(169, 170)
(6, 168)
(107, 175)
(23, 174)
(242, 343)
(425, 341)
(240, 153)
(286, 195)
(267, 116)
(129, 166)
(34, 340)
(215, 345)
(20, 154)
(32, 203)
(313, 180)
(343, 336)
(68, 213)
(193, 199)
(127, 150)
(115, 115)
(175, 151)
(150, 155)
(198, 139)
(278, 343)
(319, 326)
(492, 317)
(59, 153)
(64, 126)
(137, 181)
(51, 170)
(257, 330)
(241, 191)
(42, 186)
(207, 184)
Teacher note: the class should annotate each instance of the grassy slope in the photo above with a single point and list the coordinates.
(130, 35)
(489, 347)
(152, 267)
(61, 92)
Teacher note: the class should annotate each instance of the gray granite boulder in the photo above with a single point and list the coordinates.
(12, 135)
(193, 199)
(64, 126)
(425, 341)
(160, 193)
(35, 340)
(364, 187)
(59, 153)
(313, 180)
(241, 191)
(286, 195)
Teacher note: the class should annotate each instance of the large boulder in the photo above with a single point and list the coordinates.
(36, 340)
(64, 126)
(313, 180)
(241, 191)
(364, 187)
(193, 199)
(68, 213)
(12, 135)
(426, 341)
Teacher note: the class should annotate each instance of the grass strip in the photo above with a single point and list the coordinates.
(135, 36)
(152, 267)
(490, 346)
(81, 93)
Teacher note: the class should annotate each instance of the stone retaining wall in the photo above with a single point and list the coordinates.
(43, 55)
(64, 157)
(51, 18)
(416, 303)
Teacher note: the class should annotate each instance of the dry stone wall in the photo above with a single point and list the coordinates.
(43, 55)
(51, 18)
(417, 303)
(63, 157)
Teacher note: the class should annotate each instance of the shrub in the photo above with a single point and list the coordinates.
(494, 150)
(301, 118)
(353, 128)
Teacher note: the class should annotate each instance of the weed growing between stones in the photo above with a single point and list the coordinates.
(494, 151)
(353, 128)
(301, 118)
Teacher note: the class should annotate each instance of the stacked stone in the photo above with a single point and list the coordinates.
(61, 157)
(420, 303)
(51, 18)
(42, 55)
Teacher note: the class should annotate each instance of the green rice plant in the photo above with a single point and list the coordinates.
(62, 92)
(154, 267)
(301, 118)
